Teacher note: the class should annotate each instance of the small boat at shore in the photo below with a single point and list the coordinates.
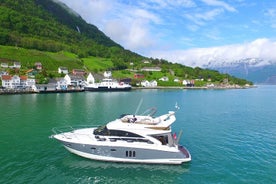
(130, 138)
(108, 84)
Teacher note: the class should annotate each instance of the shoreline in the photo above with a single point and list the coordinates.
(18, 92)
(195, 88)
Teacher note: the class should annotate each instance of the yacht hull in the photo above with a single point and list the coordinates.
(106, 89)
(129, 154)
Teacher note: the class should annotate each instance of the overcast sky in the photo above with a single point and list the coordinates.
(190, 32)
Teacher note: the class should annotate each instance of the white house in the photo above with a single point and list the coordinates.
(3, 73)
(63, 70)
(176, 80)
(107, 74)
(15, 81)
(30, 82)
(185, 82)
(90, 79)
(11, 81)
(4, 65)
(74, 80)
(164, 79)
(23, 81)
(146, 83)
(153, 83)
(61, 84)
(151, 69)
(16, 65)
(145, 61)
(6, 81)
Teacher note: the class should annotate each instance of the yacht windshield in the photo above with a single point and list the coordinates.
(102, 130)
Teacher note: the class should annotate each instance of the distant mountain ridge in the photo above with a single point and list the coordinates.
(73, 20)
(254, 69)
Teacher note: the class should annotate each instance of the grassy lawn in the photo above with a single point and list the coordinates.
(50, 61)
(96, 64)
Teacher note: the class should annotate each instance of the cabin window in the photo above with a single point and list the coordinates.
(101, 131)
(121, 133)
(162, 138)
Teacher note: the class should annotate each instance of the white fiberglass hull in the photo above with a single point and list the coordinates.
(128, 160)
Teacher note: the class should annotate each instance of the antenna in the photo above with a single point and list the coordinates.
(179, 136)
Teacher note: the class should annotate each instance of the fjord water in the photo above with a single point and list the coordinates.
(231, 135)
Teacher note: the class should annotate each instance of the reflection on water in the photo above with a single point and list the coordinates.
(106, 172)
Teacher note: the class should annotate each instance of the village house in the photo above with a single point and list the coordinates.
(44, 87)
(3, 73)
(138, 76)
(151, 69)
(165, 79)
(16, 65)
(74, 80)
(107, 74)
(90, 79)
(4, 65)
(146, 83)
(78, 72)
(61, 84)
(176, 80)
(23, 81)
(6, 81)
(125, 81)
(188, 83)
(185, 82)
(38, 66)
(145, 61)
(63, 70)
(13, 82)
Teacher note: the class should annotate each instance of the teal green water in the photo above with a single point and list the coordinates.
(229, 133)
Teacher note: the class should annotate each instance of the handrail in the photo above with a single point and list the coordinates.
(69, 128)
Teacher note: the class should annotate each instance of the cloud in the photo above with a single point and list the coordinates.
(166, 4)
(260, 48)
(201, 18)
(271, 15)
(220, 4)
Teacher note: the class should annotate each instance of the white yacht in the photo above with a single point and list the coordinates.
(108, 84)
(130, 138)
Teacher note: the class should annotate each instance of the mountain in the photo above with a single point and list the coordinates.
(254, 69)
(74, 21)
(51, 26)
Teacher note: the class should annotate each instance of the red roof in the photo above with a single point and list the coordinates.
(6, 77)
(23, 77)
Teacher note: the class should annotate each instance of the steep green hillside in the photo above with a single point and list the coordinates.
(47, 26)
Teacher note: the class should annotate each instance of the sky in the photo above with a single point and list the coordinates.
(190, 32)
